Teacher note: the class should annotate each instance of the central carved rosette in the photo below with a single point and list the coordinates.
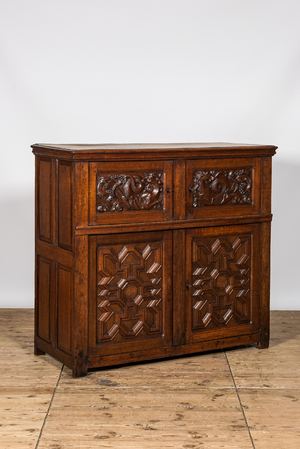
(125, 192)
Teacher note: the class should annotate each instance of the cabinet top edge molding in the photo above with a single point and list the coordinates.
(136, 151)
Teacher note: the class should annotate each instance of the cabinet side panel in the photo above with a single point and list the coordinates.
(64, 305)
(265, 241)
(266, 176)
(44, 199)
(65, 205)
(44, 267)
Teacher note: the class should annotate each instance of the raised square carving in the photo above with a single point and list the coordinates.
(218, 187)
(129, 192)
(221, 270)
(129, 290)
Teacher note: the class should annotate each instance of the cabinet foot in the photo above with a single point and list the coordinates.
(38, 351)
(263, 342)
(80, 368)
(79, 372)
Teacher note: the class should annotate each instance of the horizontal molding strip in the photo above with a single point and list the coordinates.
(175, 224)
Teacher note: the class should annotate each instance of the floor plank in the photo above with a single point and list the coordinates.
(275, 367)
(22, 414)
(188, 402)
(273, 417)
(27, 382)
(145, 418)
(22, 367)
(207, 370)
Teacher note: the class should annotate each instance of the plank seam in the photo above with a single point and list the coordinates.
(240, 402)
(46, 416)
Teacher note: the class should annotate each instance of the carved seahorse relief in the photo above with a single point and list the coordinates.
(216, 187)
(125, 192)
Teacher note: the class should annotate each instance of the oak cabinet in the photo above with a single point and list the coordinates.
(150, 251)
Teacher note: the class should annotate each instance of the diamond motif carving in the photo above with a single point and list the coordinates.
(125, 192)
(217, 187)
(221, 271)
(129, 290)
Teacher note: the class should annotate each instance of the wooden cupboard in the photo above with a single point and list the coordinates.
(150, 251)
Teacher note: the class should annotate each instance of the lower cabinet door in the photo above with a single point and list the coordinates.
(222, 282)
(130, 292)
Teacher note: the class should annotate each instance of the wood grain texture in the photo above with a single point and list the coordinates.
(44, 293)
(45, 187)
(276, 367)
(126, 152)
(151, 250)
(265, 247)
(188, 402)
(65, 205)
(64, 308)
(80, 308)
(130, 293)
(179, 189)
(81, 198)
(144, 418)
(179, 288)
(130, 192)
(266, 188)
(205, 370)
(223, 280)
(217, 188)
(280, 426)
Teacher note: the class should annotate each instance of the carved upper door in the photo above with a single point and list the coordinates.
(222, 187)
(130, 292)
(130, 192)
(222, 269)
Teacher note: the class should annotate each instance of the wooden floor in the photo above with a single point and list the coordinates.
(242, 398)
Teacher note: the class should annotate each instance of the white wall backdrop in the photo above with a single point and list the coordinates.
(94, 71)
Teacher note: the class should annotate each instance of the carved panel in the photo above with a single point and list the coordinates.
(129, 192)
(129, 291)
(221, 270)
(217, 187)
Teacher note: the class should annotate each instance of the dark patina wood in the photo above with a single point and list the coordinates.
(147, 251)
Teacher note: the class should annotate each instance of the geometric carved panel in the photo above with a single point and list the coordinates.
(129, 291)
(129, 192)
(217, 187)
(221, 269)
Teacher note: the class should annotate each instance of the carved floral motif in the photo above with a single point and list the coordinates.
(123, 192)
(216, 187)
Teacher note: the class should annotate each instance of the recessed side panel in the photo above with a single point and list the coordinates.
(44, 291)
(45, 180)
(65, 237)
(64, 308)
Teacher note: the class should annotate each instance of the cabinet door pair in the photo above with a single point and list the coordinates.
(150, 290)
(126, 192)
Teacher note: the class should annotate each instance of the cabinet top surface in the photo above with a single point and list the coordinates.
(151, 150)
